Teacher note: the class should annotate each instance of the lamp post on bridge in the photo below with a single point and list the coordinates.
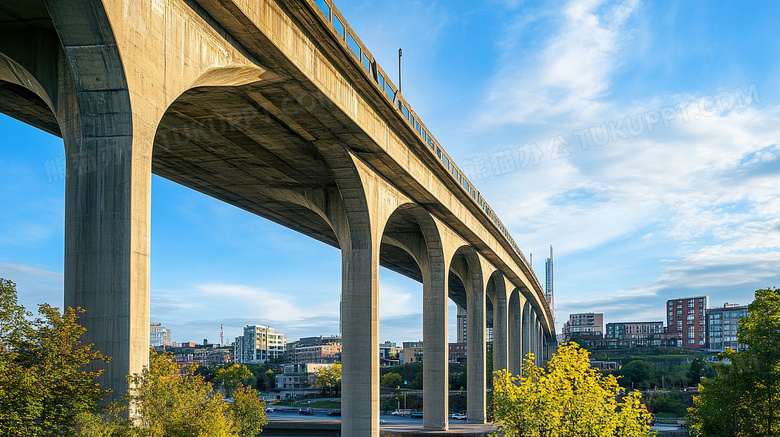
(400, 54)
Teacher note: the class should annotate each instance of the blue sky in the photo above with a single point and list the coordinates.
(638, 138)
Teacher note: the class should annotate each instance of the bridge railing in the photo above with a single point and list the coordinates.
(348, 36)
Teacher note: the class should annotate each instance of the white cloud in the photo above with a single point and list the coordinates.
(12, 270)
(35, 284)
(396, 300)
(570, 74)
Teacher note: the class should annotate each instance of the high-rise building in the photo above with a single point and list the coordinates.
(722, 326)
(460, 325)
(687, 321)
(261, 344)
(549, 289)
(159, 335)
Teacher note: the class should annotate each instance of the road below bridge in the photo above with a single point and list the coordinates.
(288, 422)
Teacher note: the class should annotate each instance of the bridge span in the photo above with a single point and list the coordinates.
(278, 108)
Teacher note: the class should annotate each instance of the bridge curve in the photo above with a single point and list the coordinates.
(276, 107)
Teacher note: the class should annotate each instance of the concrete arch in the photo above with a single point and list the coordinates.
(24, 98)
(411, 228)
(14, 74)
(496, 290)
(466, 265)
(515, 328)
(33, 68)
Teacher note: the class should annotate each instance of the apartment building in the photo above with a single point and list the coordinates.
(722, 324)
(633, 334)
(588, 326)
(687, 321)
(261, 344)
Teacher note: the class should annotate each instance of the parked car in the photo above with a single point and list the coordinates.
(417, 414)
(334, 413)
(306, 411)
(459, 416)
(270, 410)
(400, 412)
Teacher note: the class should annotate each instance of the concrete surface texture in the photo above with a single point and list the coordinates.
(261, 104)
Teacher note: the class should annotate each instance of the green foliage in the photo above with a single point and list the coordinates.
(637, 374)
(168, 401)
(408, 372)
(698, 370)
(110, 423)
(267, 380)
(567, 399)
(489, 364)
(391, 380)
(744, 397)
(247, 413)
(458, 376)
(44, 383)
(582, 344)
(676, 403)
(328, 377)
(233, 377)
(171, 404)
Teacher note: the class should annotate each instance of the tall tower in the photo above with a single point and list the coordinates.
(549, 289)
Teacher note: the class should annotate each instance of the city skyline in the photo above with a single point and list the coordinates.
(639, 139)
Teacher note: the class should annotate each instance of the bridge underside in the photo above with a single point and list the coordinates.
(276, 146)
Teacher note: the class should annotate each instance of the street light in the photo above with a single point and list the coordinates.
(404, 395)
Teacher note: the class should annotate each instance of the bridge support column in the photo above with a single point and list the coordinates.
(526, 331)
(500, 333)
(360, 341)
(108, 148)
(534, 333)
(475, 344)
(515, 334)
(435, 362)
(550, 349)
(107, 228)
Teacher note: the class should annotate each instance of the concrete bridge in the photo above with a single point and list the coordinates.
(278, 108)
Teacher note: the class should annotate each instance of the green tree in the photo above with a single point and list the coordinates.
(744, 398)
(637, 374)
(568, 398)
(328, 377)
(247, 413)
(233, 377)
(171, 404)
(167, 402)
(489, 363)
(44, 377)
(697, 370)
(582, 344)
(391, 380)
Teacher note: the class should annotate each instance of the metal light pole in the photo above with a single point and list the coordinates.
(400, 53)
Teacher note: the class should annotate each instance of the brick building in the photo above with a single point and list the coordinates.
(687, 321)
